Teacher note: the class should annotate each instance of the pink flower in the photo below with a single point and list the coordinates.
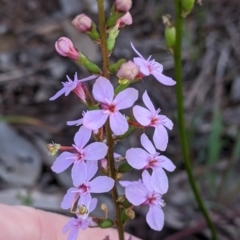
(84, 187)
(126, 19)
(128, 70)
(82, 22)
(144, 193)
(123, 5)
(65, 48)
(73, 85)
(82, 221)
(92, 152)
(141, 159)
(150, 117)
(148, 67)
(104, 93)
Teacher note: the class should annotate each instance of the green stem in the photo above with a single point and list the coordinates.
(110, 143)
(180, 112)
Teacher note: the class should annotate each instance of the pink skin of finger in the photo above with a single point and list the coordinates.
(26, 223)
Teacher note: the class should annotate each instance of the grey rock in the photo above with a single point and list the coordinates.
(19, 160)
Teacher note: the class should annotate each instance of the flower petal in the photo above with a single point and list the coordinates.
(137, 157)
(167, 164)
(136, 193)
(62, 162)
(75, 122)
(159, 180)
(155, 218)
(147, 180)
(69, 198)
(91, 169)
(95, 151)
(101, 184)
(94, 119)
(87, 78)
(82, 137)
(142, 65)
(142, 115)
(58, 94)
(147, 144)
(118, 123)
(86, 201)
(167, 122)
(160, 137)
(163, 79)
(93, 204)
(126, 98)
(69, 225)
(102, 90)
(136, 51)
(147, 101)
(79, 173)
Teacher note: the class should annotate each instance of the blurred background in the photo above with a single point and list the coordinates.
(31, 72)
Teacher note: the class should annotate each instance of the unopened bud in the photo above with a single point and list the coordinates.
(130, 213)
(126, 19)
(104, 208)
(82, 22)
(187, 6)
(121, 199)
(119, 176)
(53, 148)
(128, 70)
(123, 5)
(170, 36)
(103, 162)
(65, 48)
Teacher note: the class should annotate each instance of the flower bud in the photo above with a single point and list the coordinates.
(130, 213)
(65, 48)
(128, 70)
(119, 176)
(103, 162)
(123, 5)
(126, 19)
(53, 148)
(104, 208)
(187, 6)
(82, 23)
(170, 36)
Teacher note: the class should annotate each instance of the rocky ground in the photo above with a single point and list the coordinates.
(31, 72)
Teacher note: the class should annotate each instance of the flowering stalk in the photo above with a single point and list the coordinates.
(180, 111)
(110, 143)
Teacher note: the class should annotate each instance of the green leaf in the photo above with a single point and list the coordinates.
(106, 223)
(125, 167)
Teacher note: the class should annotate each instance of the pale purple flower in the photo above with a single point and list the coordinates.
(84, 186)
(82, 221)
(73, 85)
(144, 193)
(149, 66)
(150, 117)
(103, 92)
(141, 159)
(79, 122)
(94, 151)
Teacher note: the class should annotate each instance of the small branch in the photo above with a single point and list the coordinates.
(181, 121)
(110, 143)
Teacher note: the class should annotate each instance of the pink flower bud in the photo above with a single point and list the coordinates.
(103, 162)
(126, 19)
(82, 23)
(128, 70)
(65, 48)
(123, 5)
